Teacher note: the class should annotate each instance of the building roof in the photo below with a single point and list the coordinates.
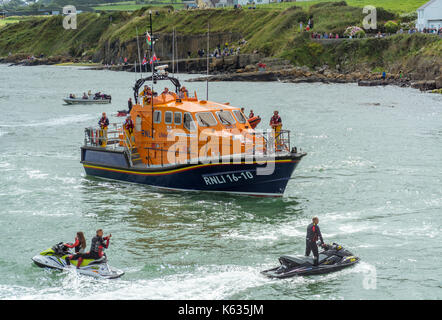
(427, 4)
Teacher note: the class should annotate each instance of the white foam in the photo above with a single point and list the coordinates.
(208, 282)
(53, 122)
(36, 174)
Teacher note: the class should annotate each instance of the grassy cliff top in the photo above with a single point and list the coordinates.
(273, 31)
(397, 6)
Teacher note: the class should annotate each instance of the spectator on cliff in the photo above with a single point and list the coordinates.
(300, 26)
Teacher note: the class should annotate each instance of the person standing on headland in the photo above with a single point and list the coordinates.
(313, 234)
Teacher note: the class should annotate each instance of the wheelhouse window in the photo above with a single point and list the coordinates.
(225, 117)
(138, 123)
(189, 123)
(157, 116)
(168, 115)
(178, 117)
(239, 116)
(206, 119)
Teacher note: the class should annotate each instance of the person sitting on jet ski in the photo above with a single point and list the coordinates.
(79, 245)
(313, 234)
(97, 246)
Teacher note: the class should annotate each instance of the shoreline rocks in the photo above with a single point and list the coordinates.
(245, 68)
(304, 75)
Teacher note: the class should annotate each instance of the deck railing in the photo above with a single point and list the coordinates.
(114, 138)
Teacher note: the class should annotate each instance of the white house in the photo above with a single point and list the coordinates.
(430, 15)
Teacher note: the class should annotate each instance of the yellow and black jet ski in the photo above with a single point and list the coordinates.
(55, 258)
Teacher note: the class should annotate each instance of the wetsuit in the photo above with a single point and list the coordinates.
(313, 234)
(96, 252)
(76, 245)
(78, 251)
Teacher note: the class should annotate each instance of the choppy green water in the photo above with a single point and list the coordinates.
(373, 175)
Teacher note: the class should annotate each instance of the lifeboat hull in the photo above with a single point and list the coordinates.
(236, 176)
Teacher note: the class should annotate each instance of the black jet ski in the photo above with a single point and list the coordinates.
(333, 258)
(54, 258)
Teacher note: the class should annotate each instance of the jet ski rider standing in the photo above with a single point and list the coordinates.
(97, 245)
(313, 234)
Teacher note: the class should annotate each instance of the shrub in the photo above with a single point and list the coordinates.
(391, 27)
(354, 31)
(409, 17)
(360, 34)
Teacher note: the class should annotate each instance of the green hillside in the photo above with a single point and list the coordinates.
(107, 36)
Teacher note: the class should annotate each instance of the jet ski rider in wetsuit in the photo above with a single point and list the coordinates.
(97, 245)
(313, 234)
(79, 245)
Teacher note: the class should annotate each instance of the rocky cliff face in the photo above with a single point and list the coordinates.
(111, 52)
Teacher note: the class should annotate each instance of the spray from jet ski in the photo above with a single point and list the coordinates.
(333, 258)
(55, 258)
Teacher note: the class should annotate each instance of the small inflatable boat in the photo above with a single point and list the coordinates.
(254, 121)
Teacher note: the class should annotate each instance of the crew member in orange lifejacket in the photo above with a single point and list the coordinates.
(103, 123)
(276, 124)
(79, 245)
(97, 246)
(129, 126)
(146, 94)
(275, 120)
(166, 91)
(313, 234)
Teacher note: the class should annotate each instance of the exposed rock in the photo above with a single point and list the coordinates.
(424, 85)
(438, 82)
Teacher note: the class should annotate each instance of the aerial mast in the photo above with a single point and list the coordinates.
(207, 78)
(152, 53)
